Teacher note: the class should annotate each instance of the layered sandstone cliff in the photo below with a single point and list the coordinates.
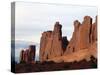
(82, 45)
(83, 36)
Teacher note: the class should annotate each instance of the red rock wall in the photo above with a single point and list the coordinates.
(83, 36)
(51, 43)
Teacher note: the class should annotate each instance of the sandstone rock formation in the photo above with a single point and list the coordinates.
(51, 43)
(84, 34)
(83, 44)
(94, 31)
(78, 55)
(73, 44)
(54, 47)
(57, 53)
(28, 55)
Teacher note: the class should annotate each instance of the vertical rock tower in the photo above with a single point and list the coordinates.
(28, 55)
(51, 43)
(84, 35)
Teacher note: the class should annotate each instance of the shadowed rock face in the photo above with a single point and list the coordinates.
(32, 50)
(64, 43)
(94, 31)
(51, 43)
(52, 66)
(28, 56)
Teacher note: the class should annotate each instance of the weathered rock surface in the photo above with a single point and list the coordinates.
(78, 55)
(73, 44)
(51, 43)
(83, 43)
(28, 55)
(85, 32)
(83, 36)
(94, 31)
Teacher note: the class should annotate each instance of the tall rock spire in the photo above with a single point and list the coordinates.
(51, 43)
(84, 34)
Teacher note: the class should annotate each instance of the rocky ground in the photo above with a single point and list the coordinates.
(51, 66)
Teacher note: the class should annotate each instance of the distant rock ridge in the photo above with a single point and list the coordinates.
(83, 44)
(28, 55)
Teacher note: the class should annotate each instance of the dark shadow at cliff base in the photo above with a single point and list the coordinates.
(51, 66)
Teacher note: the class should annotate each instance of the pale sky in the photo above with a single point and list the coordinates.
(31, 19)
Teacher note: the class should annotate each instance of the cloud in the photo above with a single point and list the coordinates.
(32, 18)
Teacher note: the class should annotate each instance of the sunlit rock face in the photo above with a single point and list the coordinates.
(73, 43)
(51, 44)
(83, 36)
(83, 44)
